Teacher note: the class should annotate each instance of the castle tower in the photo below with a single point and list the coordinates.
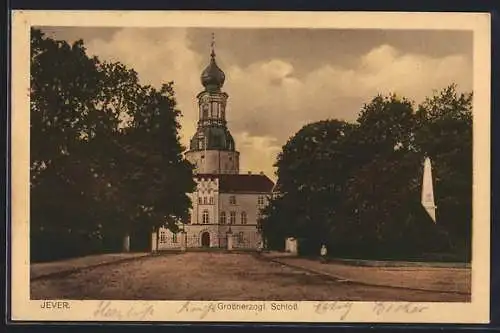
(212, 149)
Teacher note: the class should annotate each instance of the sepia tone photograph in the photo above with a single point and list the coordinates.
(271, 165)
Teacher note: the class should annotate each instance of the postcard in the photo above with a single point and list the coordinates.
(210, 166)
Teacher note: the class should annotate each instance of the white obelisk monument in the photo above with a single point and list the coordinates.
(428, 190)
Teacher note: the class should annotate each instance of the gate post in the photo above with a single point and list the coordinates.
(229, 240)
(183, 240)
(126, 243)
(153, 242)
(291, 245)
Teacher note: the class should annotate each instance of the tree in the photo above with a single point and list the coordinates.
(445, 135)
(105, 153)
(357, 186)
(311, 170)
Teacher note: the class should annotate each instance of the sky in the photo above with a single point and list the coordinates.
(279, 80)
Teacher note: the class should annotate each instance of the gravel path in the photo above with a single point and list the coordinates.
(39, 270)
(214, 276)
(424, 278)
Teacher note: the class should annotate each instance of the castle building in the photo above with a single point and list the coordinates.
(226, 204)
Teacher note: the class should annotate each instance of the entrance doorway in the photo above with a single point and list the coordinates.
(205, 239)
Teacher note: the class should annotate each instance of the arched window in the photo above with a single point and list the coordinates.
(211, 200)
(205, 108)
(205, 217)
(243, 218)
(204, 200)
(222, 218)
(232, 218)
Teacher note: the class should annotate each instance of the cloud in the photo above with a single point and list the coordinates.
(268, 100)
(158, 57)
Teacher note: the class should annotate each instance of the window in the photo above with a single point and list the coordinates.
(211, 200)
(199, 200)
(222, 218)
(240, 237)
(260, 200)
(232, 200)
(204, 200)
(174, 238)
(243, 218)
(163, 236)
(205, 217)
(232, 218)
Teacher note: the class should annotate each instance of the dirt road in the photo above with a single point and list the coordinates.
(215, 276)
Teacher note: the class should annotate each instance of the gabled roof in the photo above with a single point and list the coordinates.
(242, 183)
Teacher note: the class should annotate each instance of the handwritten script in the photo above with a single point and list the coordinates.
(106, 310)
(406, 308)
(344, 308)
(202, 310)
(379, 308)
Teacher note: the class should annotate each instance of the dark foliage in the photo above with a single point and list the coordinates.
(357, 187)
(106, 161)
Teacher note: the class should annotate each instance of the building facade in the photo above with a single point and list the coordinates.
(226, 204)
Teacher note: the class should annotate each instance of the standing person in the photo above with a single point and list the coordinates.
(323, 253)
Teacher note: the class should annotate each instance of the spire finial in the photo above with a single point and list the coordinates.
(212, 53)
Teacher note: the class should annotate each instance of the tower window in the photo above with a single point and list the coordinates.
(232, 218)
(205, 110)
(205, 217)
(199, 200)
(204, 200)
(222, 218)
(243, 218)
(211, 200)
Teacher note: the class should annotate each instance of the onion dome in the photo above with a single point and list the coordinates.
(212, 77)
